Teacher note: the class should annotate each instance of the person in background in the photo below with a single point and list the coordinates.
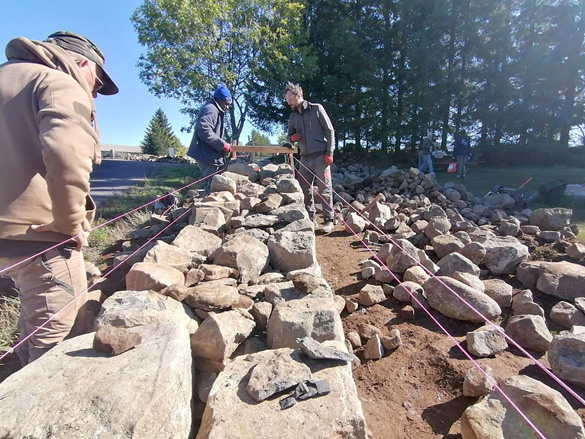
(310, 127)
(208, 146)
(461, 151)
(49, 142)
(425, 160)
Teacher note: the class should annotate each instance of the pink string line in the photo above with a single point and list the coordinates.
(496, 327)
(107, 222)
(20, 342)
(457, 344)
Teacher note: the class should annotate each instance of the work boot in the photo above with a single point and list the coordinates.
(328, 226)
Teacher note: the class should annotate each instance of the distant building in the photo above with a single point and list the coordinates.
(119, 151)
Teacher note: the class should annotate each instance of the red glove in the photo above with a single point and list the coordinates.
(295, 137)
(328, 160)
(227, 148)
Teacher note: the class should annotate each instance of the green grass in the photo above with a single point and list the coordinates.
(481, 179)
(162, 180)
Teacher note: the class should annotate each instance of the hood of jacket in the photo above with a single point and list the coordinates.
(52, 56)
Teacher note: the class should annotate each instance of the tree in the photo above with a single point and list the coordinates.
(194, 46)
(159, 136)
(257, 138)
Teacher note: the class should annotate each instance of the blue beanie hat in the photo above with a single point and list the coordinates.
(222, 93)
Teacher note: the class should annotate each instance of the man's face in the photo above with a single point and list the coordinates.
(91, 73)
(223, 104)
(293, 100)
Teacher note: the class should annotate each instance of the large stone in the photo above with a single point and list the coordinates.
(547, 409)
(454, 262)
(231, 409)
(402, 256)
(567, 359)
(221, 183)
(211, 296)
(271, 202)
(244, 253)
(440, 295)
(445, 244)
(315, 318)
(567, 315)
(371, 294)
(275, 373)
(76, 392)
(220, 334)
(500, 291)
(530, 332)
(576, 251)
(149, 276)
(196, 240)
(551, 219)
(486, 341)
(504, 254)
(562, 279)
(126, 309)
(528, 272)
(354, 223)
(163, 253)
(292, 250)
(208, 217)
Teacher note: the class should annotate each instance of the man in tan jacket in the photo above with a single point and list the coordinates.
(48, 144)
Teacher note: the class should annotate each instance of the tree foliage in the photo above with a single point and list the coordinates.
(159, 136)
(257, 138)
(509, 71)
(194, 46)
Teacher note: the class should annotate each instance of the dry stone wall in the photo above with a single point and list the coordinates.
(228, 293)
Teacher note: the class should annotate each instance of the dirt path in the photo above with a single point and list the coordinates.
(416, 390)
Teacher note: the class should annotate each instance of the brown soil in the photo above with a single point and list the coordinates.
(416, 390)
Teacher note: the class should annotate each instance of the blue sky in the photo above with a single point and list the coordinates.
(123, 118)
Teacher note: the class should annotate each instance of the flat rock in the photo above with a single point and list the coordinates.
(319, 351)
(231, 409)
(76, 392)
(126, 309)
(276, 373)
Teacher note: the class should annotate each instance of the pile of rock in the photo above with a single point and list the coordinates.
(457, 254)
(208, 331)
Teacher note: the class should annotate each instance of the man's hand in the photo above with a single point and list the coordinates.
(328, 160)
(227, 148)
(80, 240)
(295, 137)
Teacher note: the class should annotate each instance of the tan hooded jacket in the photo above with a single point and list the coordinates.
(48, 143)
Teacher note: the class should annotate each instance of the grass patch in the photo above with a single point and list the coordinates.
(102, 238)
(9, 310)
(163, 179)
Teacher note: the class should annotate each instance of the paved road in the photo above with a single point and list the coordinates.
(113, 176)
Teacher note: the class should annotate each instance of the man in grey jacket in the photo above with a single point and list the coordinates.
(311, 128)
(207, 145)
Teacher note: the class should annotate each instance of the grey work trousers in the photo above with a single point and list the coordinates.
(308, 169)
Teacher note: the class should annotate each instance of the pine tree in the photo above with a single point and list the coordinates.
(159, 136)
